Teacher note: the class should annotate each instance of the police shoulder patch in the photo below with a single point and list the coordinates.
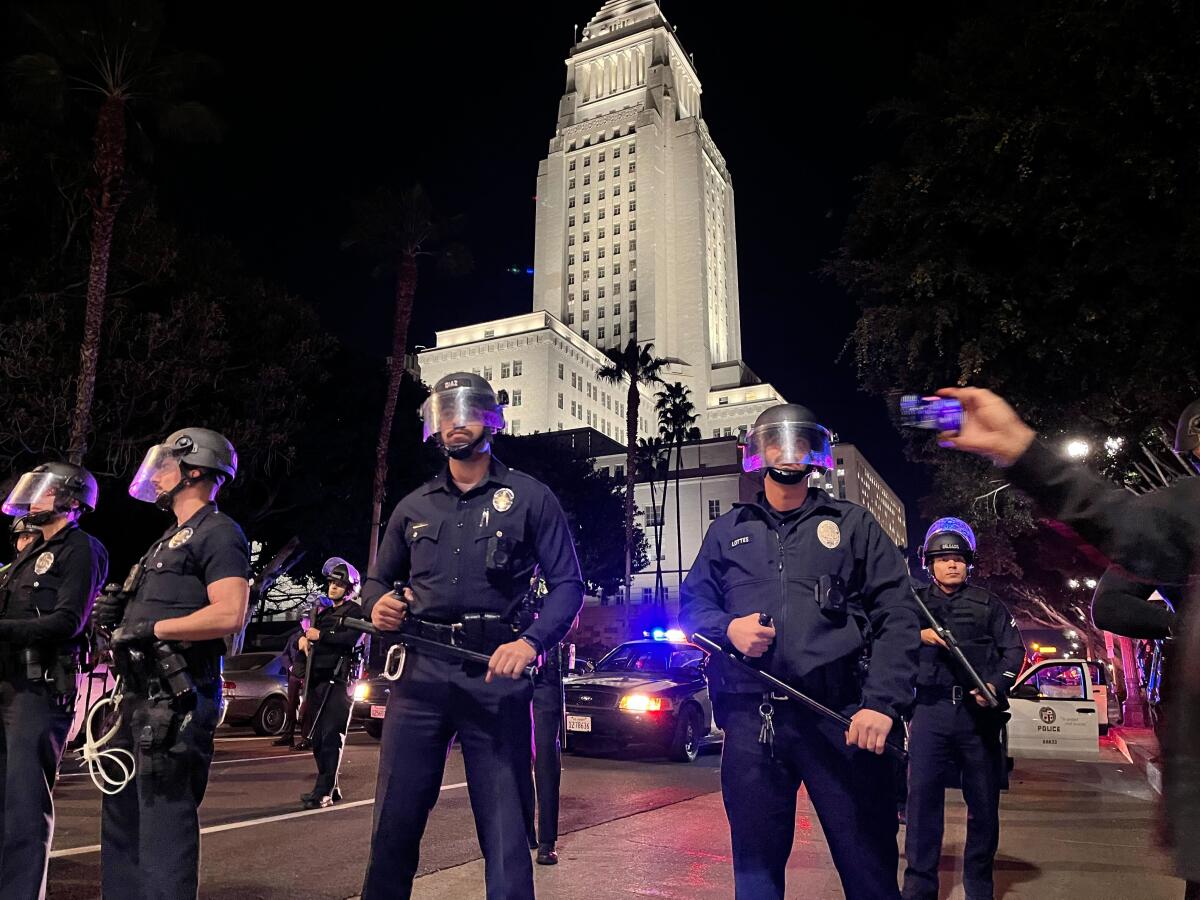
(179, 538)
(43, 563)
(829, 534)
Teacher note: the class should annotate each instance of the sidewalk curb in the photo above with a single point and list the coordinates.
(1140, 756)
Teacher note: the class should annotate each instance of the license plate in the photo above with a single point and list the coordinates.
(377, 712)
(579, 723)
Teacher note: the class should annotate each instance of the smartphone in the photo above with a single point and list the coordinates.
(935, 414)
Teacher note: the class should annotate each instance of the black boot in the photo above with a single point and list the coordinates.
(283, 741)
(547, 855)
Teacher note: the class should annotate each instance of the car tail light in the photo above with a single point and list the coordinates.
(229, 685)
(362, 690)
(644, 703)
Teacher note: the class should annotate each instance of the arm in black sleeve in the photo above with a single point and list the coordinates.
(895, 627)
(1122, 606)
(392, 563)
(700, 598)
(1010, 648)
(84, 566)
(560, 568)
(334, 634)
(1152, 536)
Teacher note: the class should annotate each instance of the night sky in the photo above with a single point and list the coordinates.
(463, 97)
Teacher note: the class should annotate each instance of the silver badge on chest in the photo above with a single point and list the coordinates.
(43, 563)
(829, 534)
(179, 538)
(502, 500)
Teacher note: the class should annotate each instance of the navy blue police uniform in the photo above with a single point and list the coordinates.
(547, 749)
(150, 832)
(837, 589)
(463, 555)
(949, 727)
(46, 596)
(333, 668)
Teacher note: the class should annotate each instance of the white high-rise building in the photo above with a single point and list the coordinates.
(635, 233)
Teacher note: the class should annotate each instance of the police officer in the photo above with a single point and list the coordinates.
(951, 722)
(187, 594)
(466, 544)
(293, 660)
(1154, 537)
(23, 534)
(334, 667)
(46, 596)
(836, 589)
(548, 706)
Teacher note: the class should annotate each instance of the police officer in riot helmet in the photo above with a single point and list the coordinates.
(952, 721)
(836, 590)
(454, 569)
(332, 674)
(46, 596)
(189, 591)
(1187, 434)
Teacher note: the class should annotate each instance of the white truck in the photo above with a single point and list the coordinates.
(1055, 713)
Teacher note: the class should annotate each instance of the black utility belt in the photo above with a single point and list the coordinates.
(160, 667)
(936, 693)
(479, 632)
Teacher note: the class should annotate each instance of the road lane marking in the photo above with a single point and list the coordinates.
(264, 820)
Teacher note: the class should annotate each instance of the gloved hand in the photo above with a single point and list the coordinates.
(141, 631)
(108, 610)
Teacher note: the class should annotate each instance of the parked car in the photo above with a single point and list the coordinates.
(370, 702)
(256, 690)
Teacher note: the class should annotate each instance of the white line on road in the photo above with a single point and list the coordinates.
(265, 820)
(224, 762)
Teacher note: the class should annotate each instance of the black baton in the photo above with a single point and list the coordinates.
(413, 642)
(784, 688)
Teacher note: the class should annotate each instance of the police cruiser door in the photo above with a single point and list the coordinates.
(1054, 713)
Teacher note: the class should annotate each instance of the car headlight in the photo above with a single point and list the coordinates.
(362, 690)
(644, 703)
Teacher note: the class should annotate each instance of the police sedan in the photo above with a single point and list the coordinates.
(648, 692)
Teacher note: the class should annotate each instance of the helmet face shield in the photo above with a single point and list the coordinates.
(778, 444)
(461, 407)
(160, 461)
(32, 487)
(341, 572)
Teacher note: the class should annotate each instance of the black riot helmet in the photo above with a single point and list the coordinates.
(336, 570)
(22, 526)
(70, 485)
(783, 435)
(1187, 432)
(948, 537)
(463, 398)
(187, 448)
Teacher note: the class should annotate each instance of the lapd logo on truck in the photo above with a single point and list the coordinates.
(1047, 715)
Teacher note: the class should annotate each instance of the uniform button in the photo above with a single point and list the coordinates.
(460, 524)
(158, 565)
(454, 580)
(35, 584)
(458, 549)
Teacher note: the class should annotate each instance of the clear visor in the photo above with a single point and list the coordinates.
(957, 526)
(32, 487)
(352, 573)
(159, 462)
(460, 408)
(787, 443)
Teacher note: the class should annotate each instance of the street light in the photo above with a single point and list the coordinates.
(1073, 584)
(1091, 583)
(1077, 448)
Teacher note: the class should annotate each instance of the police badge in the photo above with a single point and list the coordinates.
(179, 538)
(829, 534)
(502, 500)
(43, 563)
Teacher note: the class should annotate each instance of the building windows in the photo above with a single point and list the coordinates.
(617, 329)
(587, 314)
(616, 152)
(570, 278)
(571, 204)
(487, 373)
(587, 179)
(587, 161)
(587, 198)
(714, 509)
(616, 190)
(654, 515)
(600, 291)
(570, 259)
(600, 334)
(600, 313)
(505, 370)
(574, 380)
(716, 431)
(633, 284)
(571, 224)
(516, 397)
(728, 432)
(600, 213)
(560, 371)
(586, 335)
(616, 171)
(587, 274)
(632, 148)
(633, 206)
(722, 401)
(601, 157)
(600, 196)
(600, 177)
(571, 185)
(587, 217)
(647, 593)
(600, 254)
(587, 295)
(617, 210)
(516, 426)
(617, 288)
(587, 236)
(619, 473)
(600, 269)
(570, 321)
(489, 333)
(560, 401)
(600, 237)
(632, 188)
(616, 249)
(517, 366)
(587, 255)
(571, 166)
(617, 271)
(632, 167)
(632, 227)
(616, 229)
(617, 305)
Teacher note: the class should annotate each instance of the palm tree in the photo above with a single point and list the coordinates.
(397, 227)
(652, 453)
(676, 423)
(639, 366)
(111, 50)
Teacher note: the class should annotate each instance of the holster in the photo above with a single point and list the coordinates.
(156, 730)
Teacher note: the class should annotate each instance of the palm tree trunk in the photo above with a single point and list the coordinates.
(105, 196)
(658, 579)
(631, 416)
(406, 287)
(678, 518)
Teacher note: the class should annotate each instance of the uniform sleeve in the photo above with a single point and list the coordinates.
(1152, 536)
(559, 566)
(895, 628)
(83, 566)
(338, 636)
(224, 554)
(1122, 606)
(391, 565)
(700, 598)
(1009, 647)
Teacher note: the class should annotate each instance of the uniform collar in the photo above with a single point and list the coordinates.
(497, 472)
(817, 501)
(208, 509)
(42, 546)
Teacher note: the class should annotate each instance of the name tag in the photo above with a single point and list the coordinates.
(737, 542)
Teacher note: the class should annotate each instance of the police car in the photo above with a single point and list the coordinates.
(648, 692)
(1054, 712)
(370, 703)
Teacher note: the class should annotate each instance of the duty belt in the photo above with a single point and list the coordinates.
(934, 693)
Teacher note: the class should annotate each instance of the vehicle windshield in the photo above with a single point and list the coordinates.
(646, 657)
(244, 662)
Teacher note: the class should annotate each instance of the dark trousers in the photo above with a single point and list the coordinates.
(33, 731)
(851, 791)
(434, 701)
(295, 691)
(942, 733)
(150, 830)
(329, 736)
(547, 761)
